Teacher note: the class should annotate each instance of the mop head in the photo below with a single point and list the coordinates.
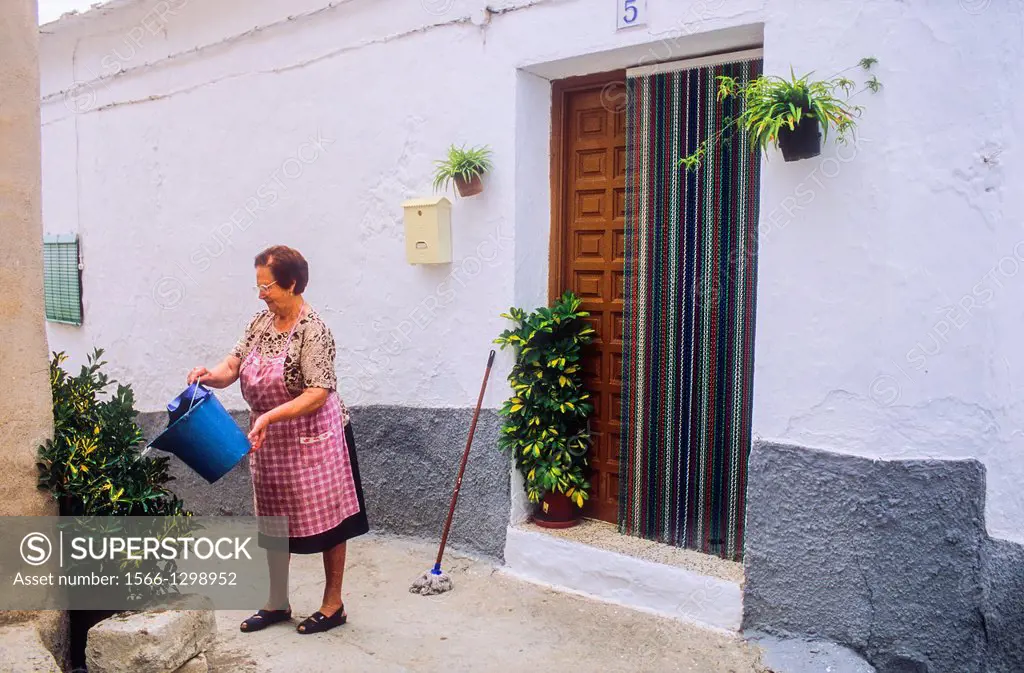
(432, 583)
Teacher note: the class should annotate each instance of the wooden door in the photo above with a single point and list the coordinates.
(588, 225)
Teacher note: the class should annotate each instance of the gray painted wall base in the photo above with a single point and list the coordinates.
(408, 459)
(799, 655)
(1004, 605)
(889, 558)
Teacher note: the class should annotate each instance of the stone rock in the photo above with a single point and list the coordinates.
(197, 664)
(154, 641)
(799, 655)
(22, 651)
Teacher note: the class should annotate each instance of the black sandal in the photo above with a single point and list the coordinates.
(318, 622)
(264, 618)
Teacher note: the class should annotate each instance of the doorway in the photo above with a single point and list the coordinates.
(664, 261)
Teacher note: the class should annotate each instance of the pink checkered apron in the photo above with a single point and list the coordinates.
(302, 471)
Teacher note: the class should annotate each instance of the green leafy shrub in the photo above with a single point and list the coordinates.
(546, 425)
(92, 466)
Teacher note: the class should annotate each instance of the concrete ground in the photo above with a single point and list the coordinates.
(489, 622)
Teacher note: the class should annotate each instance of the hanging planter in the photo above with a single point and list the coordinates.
(463, 167)
(803, 142)
(794, 114)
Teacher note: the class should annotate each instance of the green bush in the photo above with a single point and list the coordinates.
(546, 427)
(92, 466)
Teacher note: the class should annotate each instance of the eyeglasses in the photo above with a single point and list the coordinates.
(265, 288)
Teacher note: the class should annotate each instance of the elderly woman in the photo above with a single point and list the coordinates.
(303, 456)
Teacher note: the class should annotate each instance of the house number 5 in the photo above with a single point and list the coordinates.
(631, 13)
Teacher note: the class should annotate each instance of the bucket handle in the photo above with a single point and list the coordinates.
(149, 447)
(192, 401)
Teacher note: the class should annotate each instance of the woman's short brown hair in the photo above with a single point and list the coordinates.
(287, 265)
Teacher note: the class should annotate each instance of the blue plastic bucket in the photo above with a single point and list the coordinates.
(204, 437)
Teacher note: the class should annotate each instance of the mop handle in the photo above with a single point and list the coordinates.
(465, 457)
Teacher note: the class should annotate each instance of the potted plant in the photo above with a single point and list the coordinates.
(546, 426)
(93, 469)
(792, 114)
(464, 167)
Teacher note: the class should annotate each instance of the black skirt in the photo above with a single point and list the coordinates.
(353, 526)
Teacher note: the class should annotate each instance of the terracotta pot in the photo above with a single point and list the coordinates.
(803, 142)
(556, 511)
(469, 188)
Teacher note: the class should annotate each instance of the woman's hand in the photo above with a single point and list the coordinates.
(221, 376)
(197, 374)
(310, 401)
(258, 433)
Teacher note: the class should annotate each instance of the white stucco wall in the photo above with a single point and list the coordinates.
(51, 10)
(867, 338)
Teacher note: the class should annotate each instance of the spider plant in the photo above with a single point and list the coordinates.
(775, 110)
(464, 167)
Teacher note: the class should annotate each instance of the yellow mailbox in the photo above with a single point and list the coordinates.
(428, 230)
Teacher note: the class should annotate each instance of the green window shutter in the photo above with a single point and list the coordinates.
(62, 279)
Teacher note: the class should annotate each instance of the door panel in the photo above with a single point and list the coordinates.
(587, 257)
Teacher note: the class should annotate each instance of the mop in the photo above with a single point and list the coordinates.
(435, 581)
